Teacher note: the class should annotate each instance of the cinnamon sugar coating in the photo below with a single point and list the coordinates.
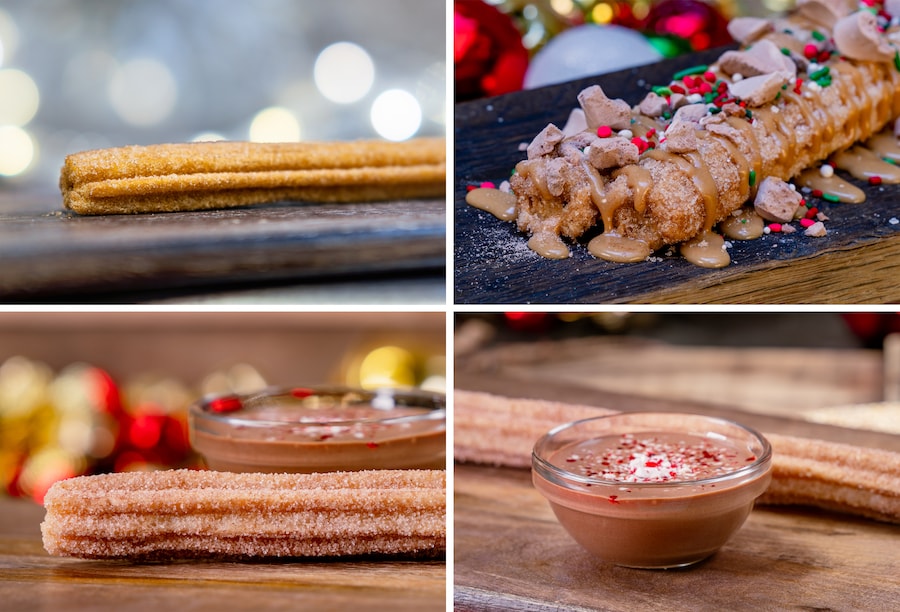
(188, 513)
(205, 175)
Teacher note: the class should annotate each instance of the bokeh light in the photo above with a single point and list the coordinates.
(396, 115)
(19, 97)
(9, 36)
(275, 124)
(17, 150)
(344, 72)
(143, 92)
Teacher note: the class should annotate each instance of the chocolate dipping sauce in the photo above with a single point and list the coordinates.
(320, 430)
(652, 490)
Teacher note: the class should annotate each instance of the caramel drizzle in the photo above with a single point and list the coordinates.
(692, 165)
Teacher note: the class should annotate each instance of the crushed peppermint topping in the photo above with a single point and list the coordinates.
(654, 458)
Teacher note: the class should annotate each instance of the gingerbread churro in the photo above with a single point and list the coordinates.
(206, 175)
(841, 477)
(803, 88)
(188, 513)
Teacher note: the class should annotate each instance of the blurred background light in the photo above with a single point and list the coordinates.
(396, 114)
(19, 97)
(17, 150)
(143, 92)
(275, 124)
(9, 37)
(344, 72)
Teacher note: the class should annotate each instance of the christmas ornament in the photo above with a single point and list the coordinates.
(488, 55)
(682, 26)
(587, 50)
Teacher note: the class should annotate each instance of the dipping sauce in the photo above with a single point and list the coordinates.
(305, 429)
(652, 490)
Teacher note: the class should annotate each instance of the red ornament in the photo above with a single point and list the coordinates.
(489, 58)
(698, 24)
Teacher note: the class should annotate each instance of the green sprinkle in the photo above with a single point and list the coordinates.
(889, 160)
(661, 90)
(821, 72)
(785, 51)
(748, 113)
(830, 197)
(666, 115)
(897, 60)
(707, 98)
(818, 35)
(752, 178)
(689, 72)
(715, 110)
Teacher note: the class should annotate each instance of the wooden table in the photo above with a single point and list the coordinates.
(511, 554)
(53, 255)
(32, 580)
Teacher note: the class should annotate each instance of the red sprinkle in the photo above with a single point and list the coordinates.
(300, 392)
(677, 88)
(471, 187)
(798, 85)
(874, 180)
(690, 81)
(775, 227)
(229, 403)
(811, 212)
(604, 131)
(640, 143)
(705, 88)
(817, 193)
(650, 133)
(613, 499)
(804, 222)
(810, 51)
(488, 185)
(710, 76)
(372, 444)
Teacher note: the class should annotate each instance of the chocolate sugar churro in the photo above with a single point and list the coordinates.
(705, 157)
(188, 513)
(207, 175)
(838, 477)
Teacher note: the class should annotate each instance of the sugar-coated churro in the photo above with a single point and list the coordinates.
(497, 430)
(206, 175)
(188, 513)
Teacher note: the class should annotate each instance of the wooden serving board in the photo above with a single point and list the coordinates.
(48, 253)
(858, 262)
(510, 553)
(30, 579)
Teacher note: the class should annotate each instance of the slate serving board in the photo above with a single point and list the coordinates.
(858, 262)
(47, 252)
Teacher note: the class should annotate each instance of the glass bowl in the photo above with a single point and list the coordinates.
(320, 429)
(652, 490)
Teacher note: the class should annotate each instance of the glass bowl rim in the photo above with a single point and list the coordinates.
(562, 477)
(199, 409)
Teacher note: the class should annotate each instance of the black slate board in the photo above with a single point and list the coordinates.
(48, 254)
(494, 266)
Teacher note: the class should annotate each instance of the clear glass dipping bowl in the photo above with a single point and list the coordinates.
(320, 429)
(651, 524)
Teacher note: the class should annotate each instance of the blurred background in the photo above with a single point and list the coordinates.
(502, 46)
(85, 393)
(84, 74)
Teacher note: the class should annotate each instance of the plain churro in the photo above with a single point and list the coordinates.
(207, 175)
(840, 477)
(187, 513)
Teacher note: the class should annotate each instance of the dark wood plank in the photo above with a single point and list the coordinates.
(47, 252)
(858, 262)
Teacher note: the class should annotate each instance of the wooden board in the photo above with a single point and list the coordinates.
(51, 254)
(858, 262)
(510, 553)
(30, 579)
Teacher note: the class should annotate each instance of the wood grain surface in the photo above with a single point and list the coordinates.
(858, 262)
(32, 580)
(48, 253)
(512, 554)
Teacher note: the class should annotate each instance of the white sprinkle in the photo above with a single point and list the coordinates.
(736, 77)
(505, 187)
(587, 151)
(694, 98)
(812, 67)
(775, 109)
(626, 133)
(893, 220)
(792, 186)
(826, 170)
(523, 146)
(767, 230)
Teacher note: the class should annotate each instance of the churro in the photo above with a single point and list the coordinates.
(840, 477)
(207, 175)
(189, 513)
(665, 171)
